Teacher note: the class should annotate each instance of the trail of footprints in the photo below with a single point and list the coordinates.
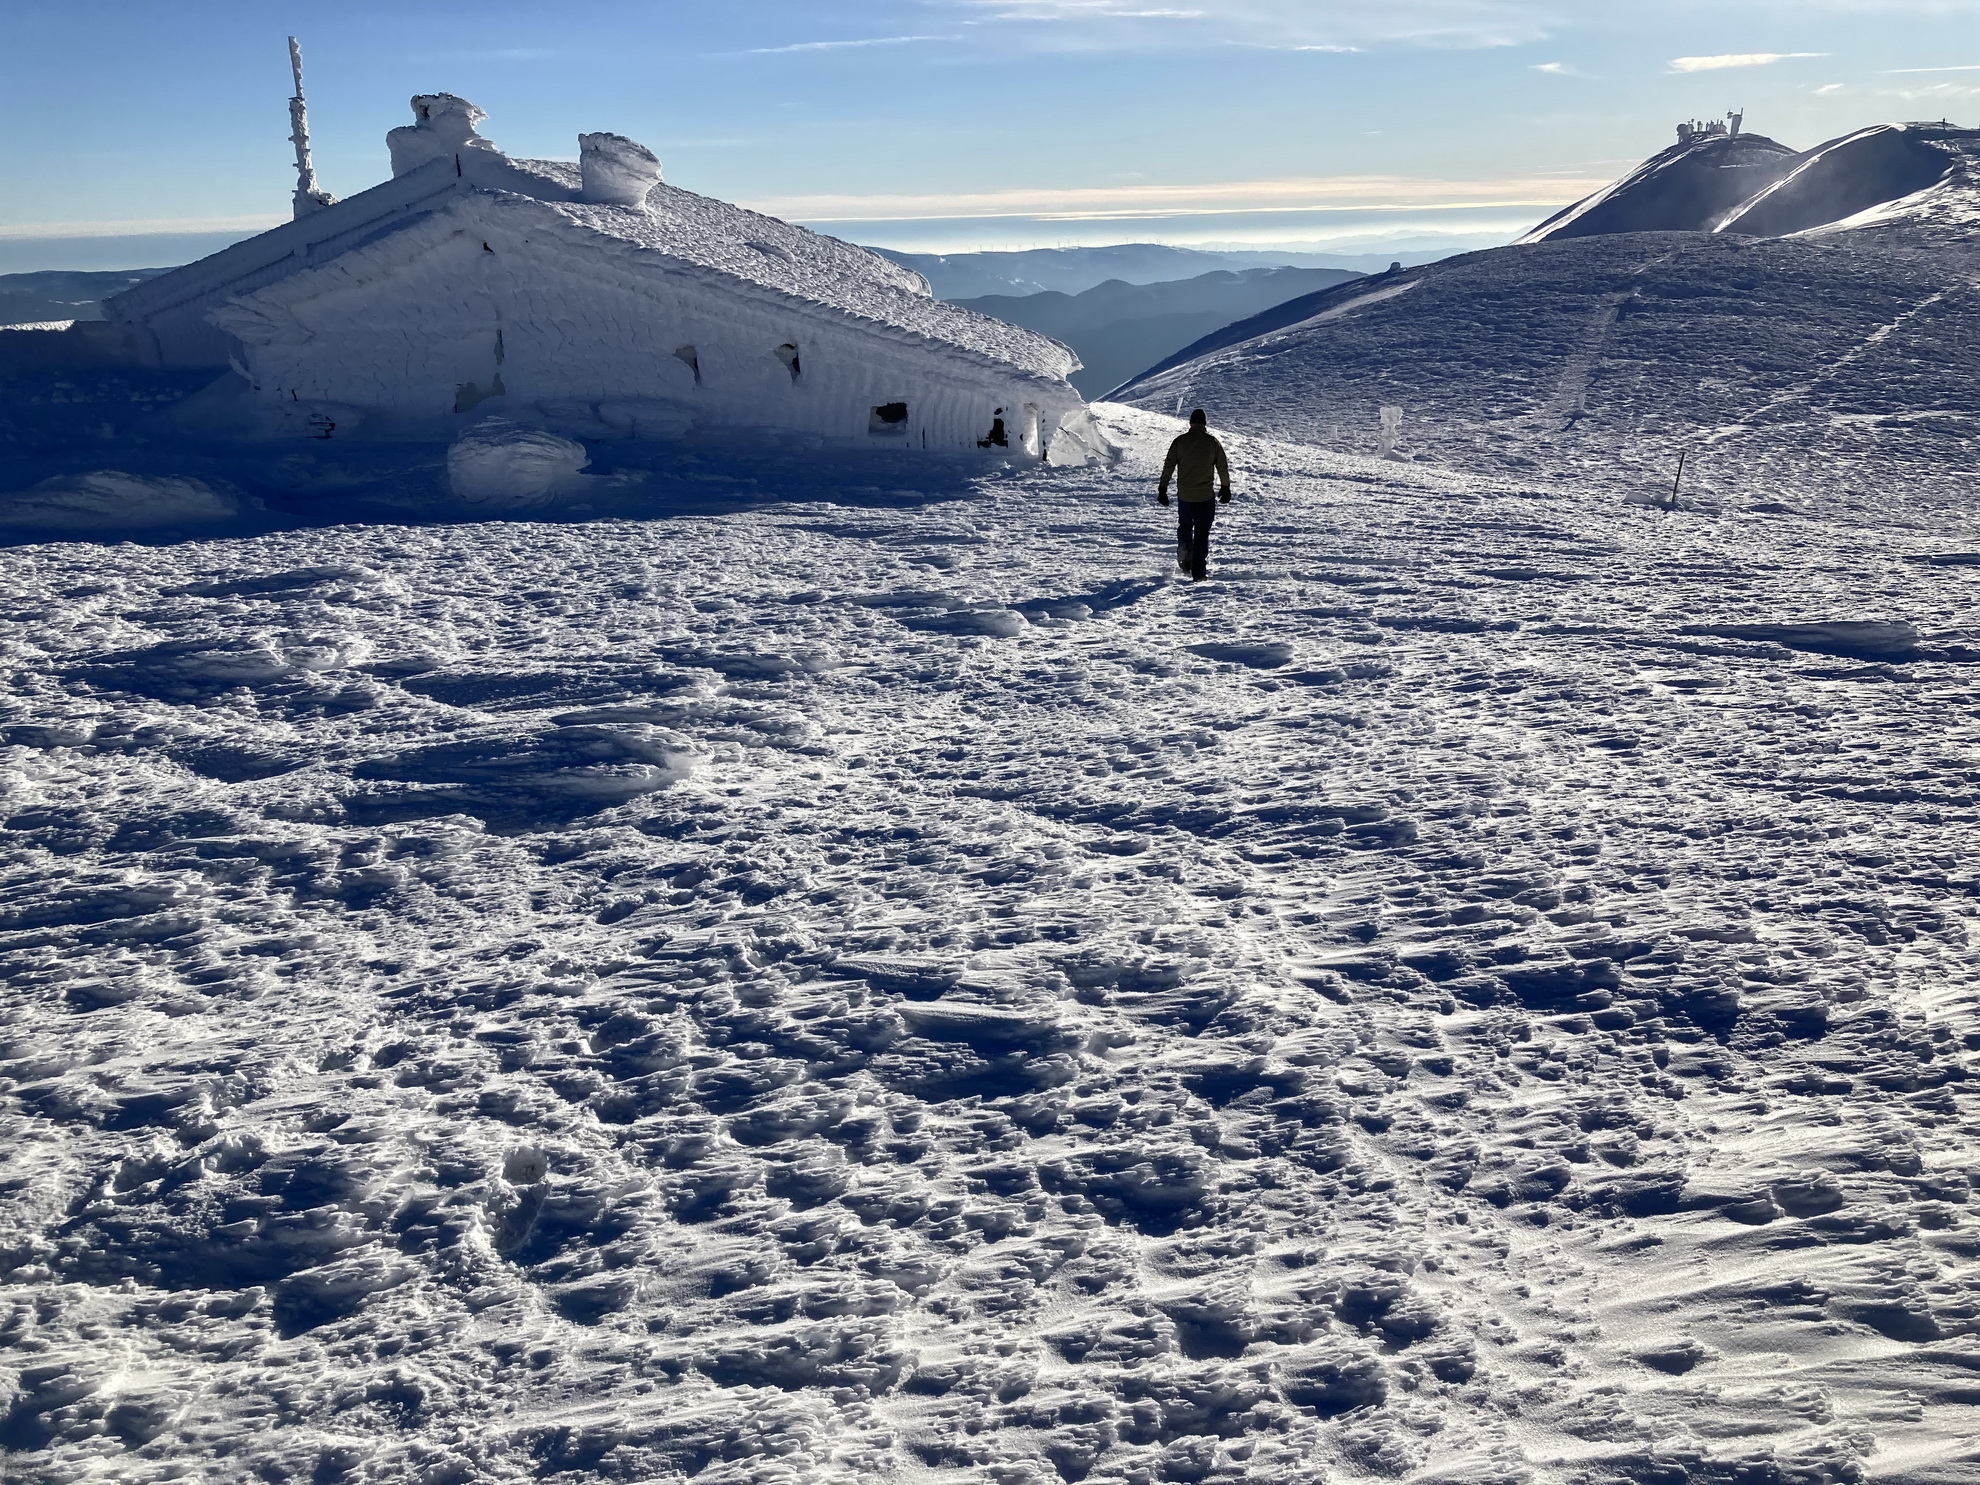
(1355, 1020)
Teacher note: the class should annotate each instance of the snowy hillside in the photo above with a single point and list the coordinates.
(851, 973)
(1795, 370)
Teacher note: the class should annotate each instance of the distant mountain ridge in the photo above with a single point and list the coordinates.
(1328, 302)
(962, 276)
(1119, 328)
(26, 298)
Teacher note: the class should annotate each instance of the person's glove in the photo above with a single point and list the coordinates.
(1225, 498)
(1162, 499)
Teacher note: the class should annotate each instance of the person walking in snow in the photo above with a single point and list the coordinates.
(1201, 470)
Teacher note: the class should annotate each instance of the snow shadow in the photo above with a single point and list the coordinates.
(109, 488)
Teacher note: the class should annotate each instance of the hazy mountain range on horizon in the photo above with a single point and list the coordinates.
(26, 298)
(1073, 270)
(1121, 328)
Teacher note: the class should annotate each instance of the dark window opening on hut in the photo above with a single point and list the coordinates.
(688, 354)
(888, 419)
(788, 354)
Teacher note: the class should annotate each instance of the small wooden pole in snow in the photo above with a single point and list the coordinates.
(1672, 503)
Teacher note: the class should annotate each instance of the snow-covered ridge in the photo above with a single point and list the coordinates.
(1887, 176)
(1942, 213)
(1684, 188)
(1871, 168)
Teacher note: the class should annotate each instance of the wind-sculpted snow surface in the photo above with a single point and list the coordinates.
(1794, 370)
(1928, 195)
(871, 988)
(1893, 184)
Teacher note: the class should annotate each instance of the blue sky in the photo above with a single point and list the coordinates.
(959, 123)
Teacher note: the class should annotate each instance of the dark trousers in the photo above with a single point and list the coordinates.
(1193, 518)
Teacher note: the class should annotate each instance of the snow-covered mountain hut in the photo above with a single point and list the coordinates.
(592, 298)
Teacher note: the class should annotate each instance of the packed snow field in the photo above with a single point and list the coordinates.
(867, 977)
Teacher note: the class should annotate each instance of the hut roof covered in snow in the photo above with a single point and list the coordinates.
(773, 254)
(441, 159)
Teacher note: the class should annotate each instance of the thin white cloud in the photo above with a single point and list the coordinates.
(1281, 25)
(142, 226)
(1934, 93)
(1555, 69)
(838, 46)
(512, 54)
(1896, 71)
(1124, 25)
(1025, 10)
(1069, 9)
(1876, 7)
(1323, 193)
(1736, 59)
(1075, 10)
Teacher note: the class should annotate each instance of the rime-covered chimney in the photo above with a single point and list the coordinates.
(617, 171)
(309, 196)
(442, 125)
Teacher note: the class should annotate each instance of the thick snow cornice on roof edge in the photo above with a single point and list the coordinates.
(400, 199)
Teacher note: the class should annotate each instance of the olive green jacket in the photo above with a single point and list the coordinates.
(1198, 464)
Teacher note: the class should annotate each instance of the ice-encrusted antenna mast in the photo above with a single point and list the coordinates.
(309, 195)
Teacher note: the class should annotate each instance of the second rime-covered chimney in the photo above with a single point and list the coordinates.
(617, 171)
(442, 125)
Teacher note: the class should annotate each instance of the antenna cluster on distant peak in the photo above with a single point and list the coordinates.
(1723, 128)
(309, 195)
